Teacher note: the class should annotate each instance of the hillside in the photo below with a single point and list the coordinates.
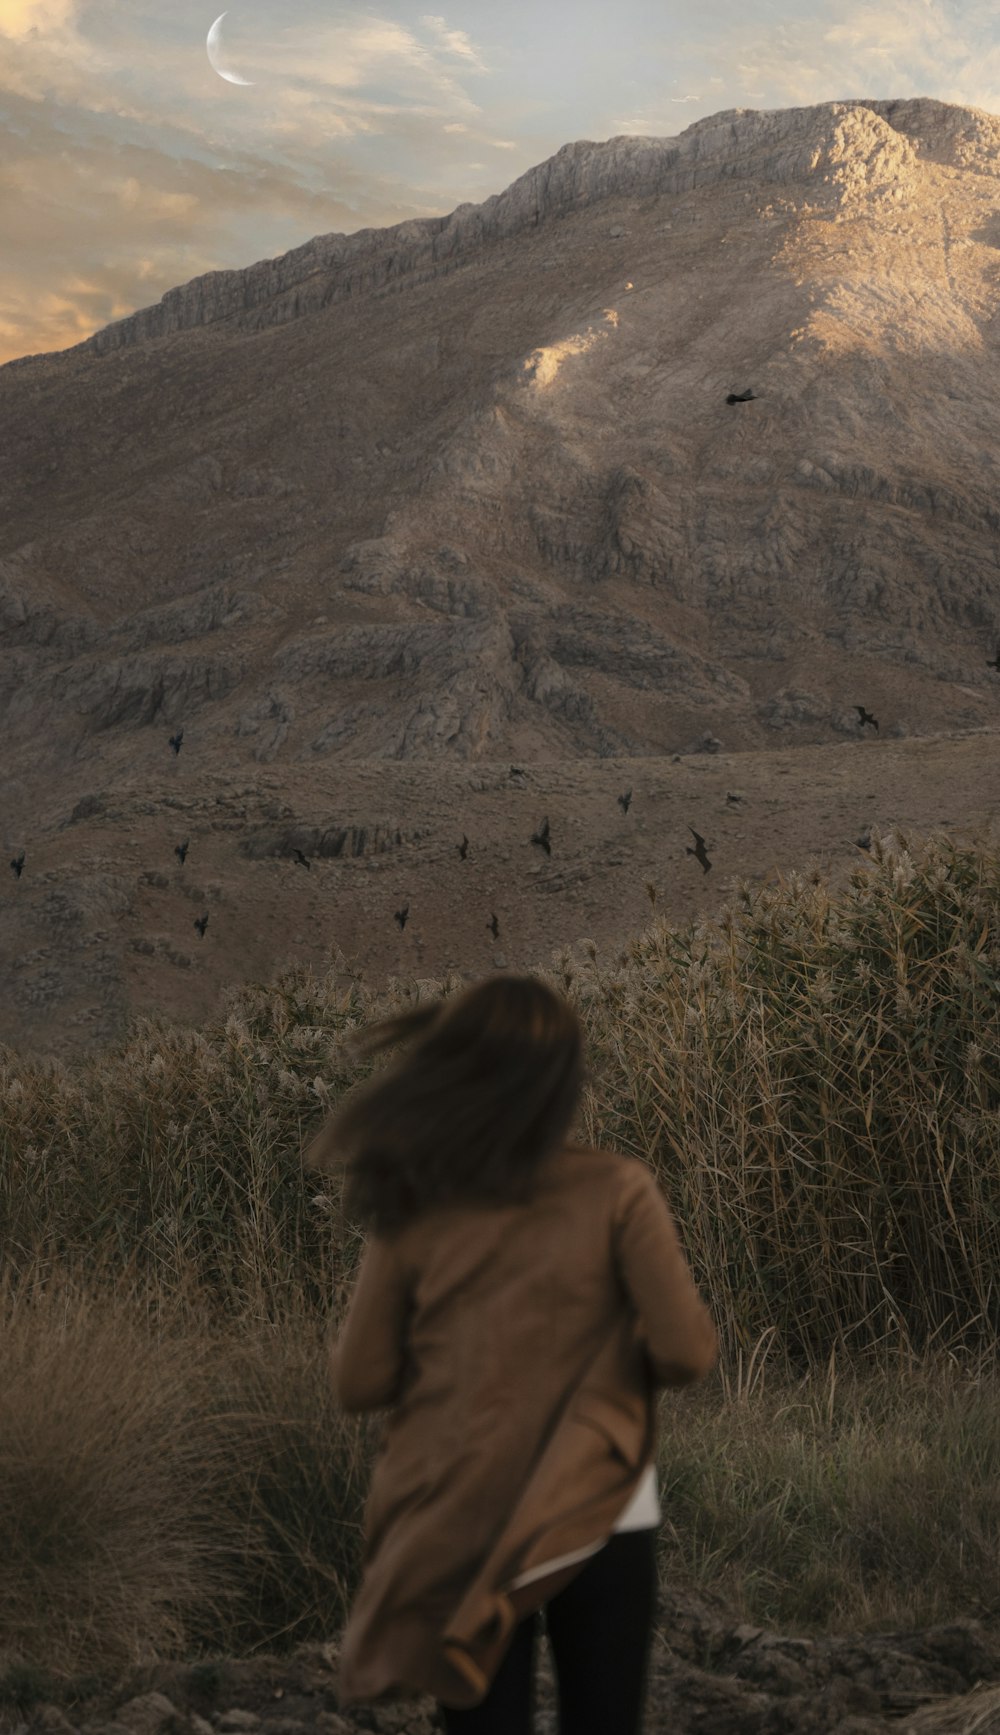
(374, 520)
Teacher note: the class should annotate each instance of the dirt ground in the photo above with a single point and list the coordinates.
(709, 1675)
(102, 924)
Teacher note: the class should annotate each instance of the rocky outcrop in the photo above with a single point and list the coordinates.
(382, 566)
(331, 843)
(215, 610)
(107, 692)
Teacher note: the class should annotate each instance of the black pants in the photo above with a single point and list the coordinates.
(600, 1631)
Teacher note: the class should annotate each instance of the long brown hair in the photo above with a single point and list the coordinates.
(488, 1090)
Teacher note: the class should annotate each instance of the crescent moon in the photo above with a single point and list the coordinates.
(214, 46)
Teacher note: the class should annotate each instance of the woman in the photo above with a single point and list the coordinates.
(517, 1305)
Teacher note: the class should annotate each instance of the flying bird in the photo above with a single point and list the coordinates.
(493, 924)
(463, 847)
(741, 397)
(996, 663)
(699, 851)
(624, 801)
(175, 740)
(299, 857)
(866, 717)
(181, 849)
(542, 837)
(401, 916)
(201, 923)
(18, 864)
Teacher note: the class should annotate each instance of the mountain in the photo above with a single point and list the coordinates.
(408, 503)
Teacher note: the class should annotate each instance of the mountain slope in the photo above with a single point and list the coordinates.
(469, 490)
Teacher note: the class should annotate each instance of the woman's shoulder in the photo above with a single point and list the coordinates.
(610, 1159)
(606, 1151)
(600, 1154)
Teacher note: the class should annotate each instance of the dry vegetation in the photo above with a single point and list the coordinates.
(815, 1076)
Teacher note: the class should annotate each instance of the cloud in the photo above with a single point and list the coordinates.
(361, 54)
(113, 148)
(129, 166)
(455, 41)
(889, 48)
(20, 18)
(43, 55)
(95, 227)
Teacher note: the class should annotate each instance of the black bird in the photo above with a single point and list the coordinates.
(864, 842)
(741, 397)
(625, 800)
(733, 799)
(181, 849)
(18, 864)
(996, 664)
(201, 923)
(493, 924)
(516, 771)
(401, 916)
(299, 857)
(866, 717)
(542, 837)
(699, 851)
(463, 847)
(175, 740)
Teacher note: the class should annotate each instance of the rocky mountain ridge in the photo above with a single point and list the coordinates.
(863, 159)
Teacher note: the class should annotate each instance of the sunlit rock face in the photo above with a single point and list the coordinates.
(406, 491)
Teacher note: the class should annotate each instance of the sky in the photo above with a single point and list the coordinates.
(129, 164)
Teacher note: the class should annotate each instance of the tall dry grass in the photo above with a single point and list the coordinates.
(169, 1480)
(815, 1077)
(108, 1486)
(174, 1484)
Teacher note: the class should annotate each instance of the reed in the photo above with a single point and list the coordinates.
(814, 1076)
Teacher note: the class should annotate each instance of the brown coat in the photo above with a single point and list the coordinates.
(519, 1348)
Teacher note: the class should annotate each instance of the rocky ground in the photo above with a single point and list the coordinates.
(100, 926)
(709, 1673)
